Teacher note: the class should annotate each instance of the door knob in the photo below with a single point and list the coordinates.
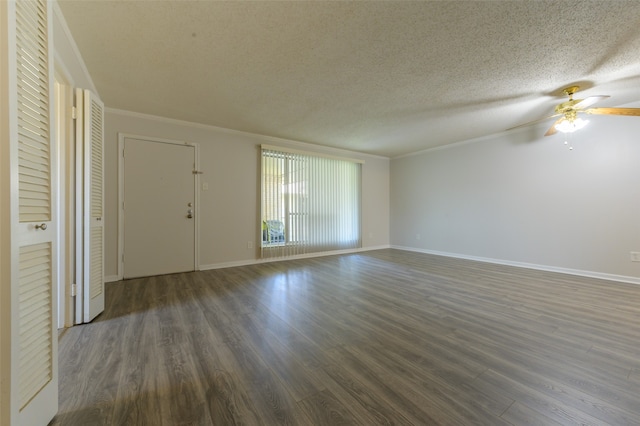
(190, 214)
(42, 226)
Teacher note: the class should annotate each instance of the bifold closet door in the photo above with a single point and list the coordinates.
(29, 363)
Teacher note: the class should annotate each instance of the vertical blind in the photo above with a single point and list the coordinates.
(310, 203)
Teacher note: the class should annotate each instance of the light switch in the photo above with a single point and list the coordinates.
(205, 186)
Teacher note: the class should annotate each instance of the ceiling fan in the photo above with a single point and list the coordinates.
(568, 112)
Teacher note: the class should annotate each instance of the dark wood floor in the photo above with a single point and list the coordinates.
(382, 337)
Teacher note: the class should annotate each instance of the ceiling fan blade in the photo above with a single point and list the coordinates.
(552, 130)
(587, 102)
(614, 111)
(530, 123)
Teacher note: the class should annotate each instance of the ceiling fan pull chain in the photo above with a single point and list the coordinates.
(567, 139)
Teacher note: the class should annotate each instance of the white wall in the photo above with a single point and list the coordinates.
(523, 199)
(229, 215)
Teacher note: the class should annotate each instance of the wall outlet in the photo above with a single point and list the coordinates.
(417, 236)
(635, 256)
(249, 244)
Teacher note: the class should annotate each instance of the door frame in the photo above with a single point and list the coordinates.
(64, 139)
(121, 178)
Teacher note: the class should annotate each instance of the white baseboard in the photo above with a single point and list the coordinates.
(234, 264)
(578, 272)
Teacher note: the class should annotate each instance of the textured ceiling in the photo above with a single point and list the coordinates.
(385, 78)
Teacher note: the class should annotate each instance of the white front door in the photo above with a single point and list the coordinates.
(159, 207)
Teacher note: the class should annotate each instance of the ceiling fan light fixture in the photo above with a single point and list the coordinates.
(570, 126)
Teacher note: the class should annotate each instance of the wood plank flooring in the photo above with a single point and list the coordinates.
(383, 337)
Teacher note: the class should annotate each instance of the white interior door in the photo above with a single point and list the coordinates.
(159, 207)
(89, 205)
(28, 367)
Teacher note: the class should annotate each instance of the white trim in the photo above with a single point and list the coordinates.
(61, 69)
(196, 200)
(314, 147)
(57, 104)
(111, 278)
(78, 101)
(577, 272)
(74, 47)
(62, 104)
(119, 259)
(196, 183)
(246, 262)
(309, 153)
(448, 146)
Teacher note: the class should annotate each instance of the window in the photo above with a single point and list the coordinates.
(310, 203)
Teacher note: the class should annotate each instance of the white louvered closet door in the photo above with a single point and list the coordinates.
(90, 148)
(33, 359)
